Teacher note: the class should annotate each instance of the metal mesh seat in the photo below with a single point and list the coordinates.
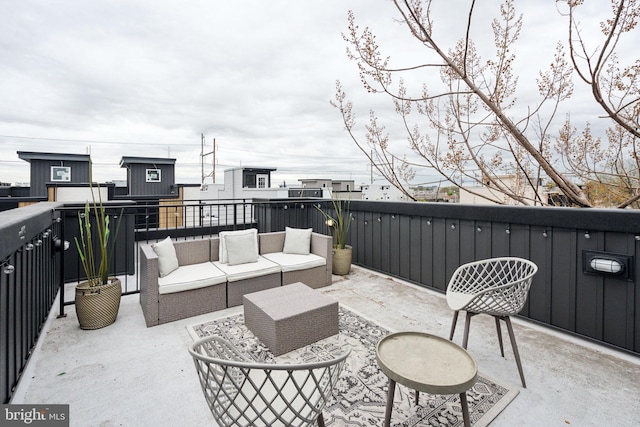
(241, 392)
(495, 286)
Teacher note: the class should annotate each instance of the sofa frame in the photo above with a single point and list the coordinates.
(160, 308)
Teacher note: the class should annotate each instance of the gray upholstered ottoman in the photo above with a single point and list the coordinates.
(290, 317)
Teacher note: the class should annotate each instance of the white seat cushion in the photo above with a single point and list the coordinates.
(295, 262)
(189, 277)
(248, 270)
(458, 300)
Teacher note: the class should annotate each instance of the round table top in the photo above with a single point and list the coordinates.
(426, 363)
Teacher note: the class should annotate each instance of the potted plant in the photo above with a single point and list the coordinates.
(339, 223)
(98, 298)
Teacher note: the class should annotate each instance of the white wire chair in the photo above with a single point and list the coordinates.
(495, 286)
(241, 392)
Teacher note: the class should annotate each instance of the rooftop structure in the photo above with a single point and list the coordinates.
(55, 168)
(150, 176)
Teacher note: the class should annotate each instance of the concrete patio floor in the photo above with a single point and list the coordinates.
(131, 375)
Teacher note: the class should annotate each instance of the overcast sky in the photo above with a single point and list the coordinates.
(146, 77)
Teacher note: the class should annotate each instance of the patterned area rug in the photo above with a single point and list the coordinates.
(361, 393)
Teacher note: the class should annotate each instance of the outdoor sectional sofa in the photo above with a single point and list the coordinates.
(191, 277)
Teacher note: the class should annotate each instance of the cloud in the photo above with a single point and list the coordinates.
(146, 77)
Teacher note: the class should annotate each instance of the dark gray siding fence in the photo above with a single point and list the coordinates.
(425, 242)
(276, 214)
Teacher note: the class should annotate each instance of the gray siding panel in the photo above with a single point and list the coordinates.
(540, 292)
(404, 244)
(618, 298)
(564, 272)
(138, 185)
(415, 249)
(385, 243)
(452, 251)
(375, 248)
(426, 252)
(468, 242)
(41, 174)
(483, 239)
(635, 249)
(439, 243)
(500, 241)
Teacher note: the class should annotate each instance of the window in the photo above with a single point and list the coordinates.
(250, 181)
(154, 175)
(255, 180)
(263, 181)
(61, 173)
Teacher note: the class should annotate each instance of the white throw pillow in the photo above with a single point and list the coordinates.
(297, 241)
(223, 247)
(167, 258)
(240, 249)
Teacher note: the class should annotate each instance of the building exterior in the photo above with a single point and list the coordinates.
(386, 192)
(55, 168)
(336, 185)
(247, 182)
(487, 195)
(327, 189)
(150, 176)
(151, 180)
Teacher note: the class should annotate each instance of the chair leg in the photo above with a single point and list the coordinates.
(467, 322)
(499, 335)
(453, 324)
(512, 337)
(320, 420)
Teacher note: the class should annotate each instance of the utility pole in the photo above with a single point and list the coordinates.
(202, 156)
(375, 165)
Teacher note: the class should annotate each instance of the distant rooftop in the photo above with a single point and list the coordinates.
(128, 160)
(32, 155)
(251, 168)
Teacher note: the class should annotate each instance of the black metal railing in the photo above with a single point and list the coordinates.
(148, 222)
(29, 281)
(38, 258)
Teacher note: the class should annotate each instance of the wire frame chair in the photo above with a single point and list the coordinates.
(496, 286)
(241, 392)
